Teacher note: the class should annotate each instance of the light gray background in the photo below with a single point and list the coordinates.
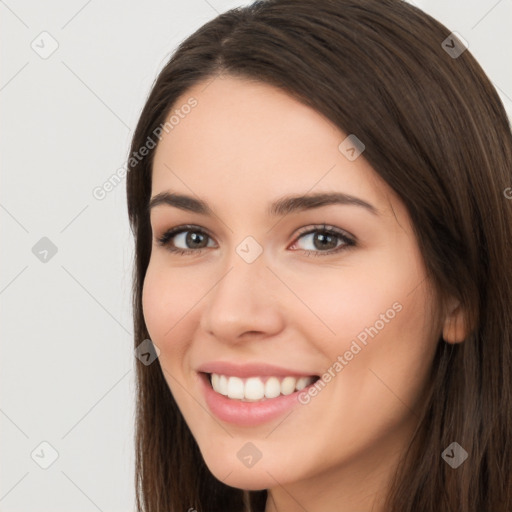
(67, 362)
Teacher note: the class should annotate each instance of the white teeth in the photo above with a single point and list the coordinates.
(272, 387)
(302, 383)
(223, 385)
(235, 388)
(288, 385)
(256, 388)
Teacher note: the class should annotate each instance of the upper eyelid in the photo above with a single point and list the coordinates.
(325, 227)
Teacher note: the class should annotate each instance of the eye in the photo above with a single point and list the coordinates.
(323, 240)
(189, 236)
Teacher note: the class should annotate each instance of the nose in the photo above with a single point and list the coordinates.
(243, 304)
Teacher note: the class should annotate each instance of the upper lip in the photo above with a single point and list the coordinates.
(250, 370)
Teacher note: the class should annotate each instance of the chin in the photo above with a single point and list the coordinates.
(246, 479)
(232, 472)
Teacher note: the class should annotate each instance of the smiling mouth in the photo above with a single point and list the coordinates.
(258, 389)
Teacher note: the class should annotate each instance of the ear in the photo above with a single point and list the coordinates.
(455, 322)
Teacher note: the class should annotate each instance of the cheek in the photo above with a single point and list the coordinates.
(167, 298)
(344, 302)
(382, 288)
(386, 337)
(155, 302)
(377, 316)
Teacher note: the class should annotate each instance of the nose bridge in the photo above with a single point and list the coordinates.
(245, 268)
(242, 286)
(240, 301)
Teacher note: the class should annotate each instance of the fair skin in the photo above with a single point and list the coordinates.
(243, 146)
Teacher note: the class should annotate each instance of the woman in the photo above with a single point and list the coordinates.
(377, 377)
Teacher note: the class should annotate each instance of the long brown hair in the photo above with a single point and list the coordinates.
(436, 131)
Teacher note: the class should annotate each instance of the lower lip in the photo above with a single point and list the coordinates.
(246, 414)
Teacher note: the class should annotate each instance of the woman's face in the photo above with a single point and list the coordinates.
(268, 298)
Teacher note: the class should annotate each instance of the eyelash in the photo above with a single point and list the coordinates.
(348, 242)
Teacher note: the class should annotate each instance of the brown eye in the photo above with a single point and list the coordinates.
(184, 239)
(323, 240)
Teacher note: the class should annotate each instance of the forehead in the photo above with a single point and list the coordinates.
(243, 139)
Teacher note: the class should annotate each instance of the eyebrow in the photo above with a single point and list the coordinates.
(280, 207)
